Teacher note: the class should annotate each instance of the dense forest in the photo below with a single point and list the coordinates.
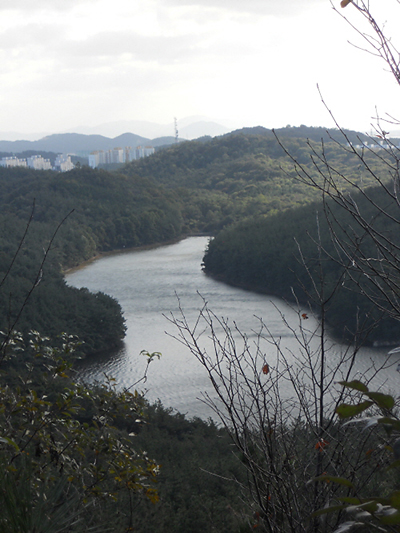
(96, 212)
(199, 186)
(75, 457)
(241, 187)
(270, 212)
(51, 222)
(281, 255)
(307, 441)
(246, 173)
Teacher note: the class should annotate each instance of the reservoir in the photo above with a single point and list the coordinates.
(154, 285)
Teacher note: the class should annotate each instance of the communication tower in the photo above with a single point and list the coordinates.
(176, 130)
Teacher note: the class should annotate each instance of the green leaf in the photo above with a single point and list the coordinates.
(395, 499)
(347, 411)
(350, 500)
(6, 440)
(391, 519)
(355, 385)
(327, 510)
(388, 421)
(395, 464)
(384, 401)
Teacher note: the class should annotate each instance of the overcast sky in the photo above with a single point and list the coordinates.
(67, 63)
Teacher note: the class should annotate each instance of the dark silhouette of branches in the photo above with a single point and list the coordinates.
(38, 276)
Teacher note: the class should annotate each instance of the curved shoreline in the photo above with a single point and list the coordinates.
(333, 332)
(130, 250)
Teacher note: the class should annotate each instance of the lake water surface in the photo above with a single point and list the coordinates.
(150, 285)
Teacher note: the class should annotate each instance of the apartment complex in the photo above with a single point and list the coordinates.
(119, 155)
(63, 163)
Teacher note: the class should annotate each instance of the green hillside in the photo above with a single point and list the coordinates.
(103, 212)
(293, 254)
(247, 173)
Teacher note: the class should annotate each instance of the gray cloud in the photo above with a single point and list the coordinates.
(266, 7)
(162, 49)
(271, 7)
(31, 35)
(50, 42)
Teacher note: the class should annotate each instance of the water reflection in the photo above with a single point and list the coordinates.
(152, 284)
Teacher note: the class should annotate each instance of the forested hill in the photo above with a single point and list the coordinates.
(235, 160)
(293, 255)
(307, 132)
(82, 446)
(111, 211)
(103, 212)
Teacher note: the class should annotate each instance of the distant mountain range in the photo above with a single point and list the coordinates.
(82, 144)
(79, 144)
(188, 128)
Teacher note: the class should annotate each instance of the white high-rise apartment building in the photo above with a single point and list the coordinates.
(39, 163)
(63, 163)
(119, 155)
(13, 162)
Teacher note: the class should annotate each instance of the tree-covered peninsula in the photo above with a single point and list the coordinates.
(52, 221)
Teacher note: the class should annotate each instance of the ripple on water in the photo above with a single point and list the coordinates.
(148, 283)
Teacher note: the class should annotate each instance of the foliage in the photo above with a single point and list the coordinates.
(354, 247)
(70, 454)
(268, 255)
(201, 484)
(34, 293)
(377, 512)
(109, 210)
(190, 187)
(65, 464)
(196, 186)
(102, 212)
(242, 174)
(236, 160)
(71, 459)
(349, 247)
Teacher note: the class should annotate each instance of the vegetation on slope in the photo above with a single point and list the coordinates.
(102, 212)
(245, 173)
(75, 457)
(281, 255)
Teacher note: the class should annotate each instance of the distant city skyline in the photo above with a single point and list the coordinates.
(66, 65)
